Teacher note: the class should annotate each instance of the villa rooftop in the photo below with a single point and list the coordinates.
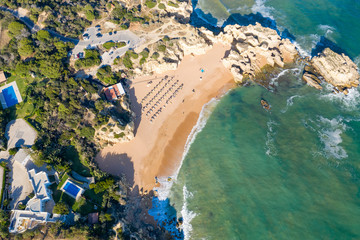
(114, 92)
(21, 220)
(34, 213)
(40, 181)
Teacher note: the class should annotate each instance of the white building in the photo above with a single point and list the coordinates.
(22, 156)
(34, 213)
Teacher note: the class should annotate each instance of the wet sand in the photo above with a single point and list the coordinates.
(158, 146)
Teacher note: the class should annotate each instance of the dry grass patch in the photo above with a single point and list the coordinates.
(4, 37)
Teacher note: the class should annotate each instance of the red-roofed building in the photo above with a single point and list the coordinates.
(114, 92)
(110, 94)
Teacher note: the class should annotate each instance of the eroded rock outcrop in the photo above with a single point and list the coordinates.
(175, 52)
(337, 69)
(254, 47)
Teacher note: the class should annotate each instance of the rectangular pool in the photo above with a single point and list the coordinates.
(10, 96)
(71, 189)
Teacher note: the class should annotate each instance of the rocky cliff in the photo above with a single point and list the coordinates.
(337, 69)
(250, 49)
(254, 47)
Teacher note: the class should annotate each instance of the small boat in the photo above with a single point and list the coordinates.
(265, 104)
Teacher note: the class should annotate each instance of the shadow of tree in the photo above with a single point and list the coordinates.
(119, 165)
(20, 143)
(135, 213)
(136, 108)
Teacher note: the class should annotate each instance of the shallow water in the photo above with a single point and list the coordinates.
(288, 173)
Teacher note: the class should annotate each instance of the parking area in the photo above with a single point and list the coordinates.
(19, 133)
(20, 183)
(93, 37)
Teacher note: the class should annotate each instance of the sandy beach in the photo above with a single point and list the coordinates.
(158, 146)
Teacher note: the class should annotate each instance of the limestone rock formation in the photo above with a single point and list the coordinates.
(252, 48)
(338, 70)
(194, 44)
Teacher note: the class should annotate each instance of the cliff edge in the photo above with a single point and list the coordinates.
(337, 69)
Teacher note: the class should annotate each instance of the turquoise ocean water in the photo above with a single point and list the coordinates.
(289, 173)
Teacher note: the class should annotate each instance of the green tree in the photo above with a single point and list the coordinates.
(108, 45)
(4, 224)
(13, 151)
(50, 68)
(43, 35)
(87, 132)
(105, 217)
(15, 28)
(25, 47)
(89, 12)
(106, 75)
(155, 55)
(22, 69)
(162, 48)
(61, 208)
(102, 185)
(150, 3)
(92, 58)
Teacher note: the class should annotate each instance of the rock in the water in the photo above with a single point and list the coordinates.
(338, 70)
(312, 80)
(254, 47)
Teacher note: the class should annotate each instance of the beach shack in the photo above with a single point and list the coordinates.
(114, 92)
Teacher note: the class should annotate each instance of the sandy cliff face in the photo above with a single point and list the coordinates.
(338, 70)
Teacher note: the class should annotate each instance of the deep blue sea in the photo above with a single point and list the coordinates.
(289, 173)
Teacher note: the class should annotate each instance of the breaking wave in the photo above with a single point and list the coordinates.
(348, 102)
(270, 142)
(186, 214)
(330, 136)
(259, 7)
(290, 102)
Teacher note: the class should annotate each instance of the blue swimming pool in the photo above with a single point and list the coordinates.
(10, 96)
(71, 189)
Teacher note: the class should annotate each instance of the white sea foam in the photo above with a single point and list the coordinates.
(167, 182)
(290, 102)
(265, 11)
(306, 43)
(357, 61)
(273, 81)
(270, 143)
(186, 214)
(327, 30)
(347, 102)
(330, 136)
